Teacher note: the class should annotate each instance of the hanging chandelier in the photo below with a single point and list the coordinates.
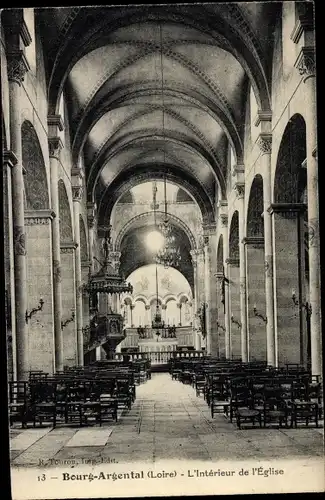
(168, 255)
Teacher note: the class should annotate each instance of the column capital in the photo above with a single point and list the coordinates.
(209, 228)
(55, 146)
(16, 27)
(238, 169)
(263, 116)
(38, 217)
(91, 213)
(232, 262)
(304, 23)
(305, 62)
(264, 142)
(287, 209)
(68, 246)
(254, 241)
(223, 220)
(77, 176)
(55, 124)
(147, 307)
(239, 188)
(17, 66)
(9, 158)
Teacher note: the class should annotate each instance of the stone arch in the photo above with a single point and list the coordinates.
(234, 236)
(142, 173)
(141, 298)
(83, 240)
(66, 233)
(36, 186)
(290, 176)
(255, 225)
(147, 217)
(170, 297)
(245, 47)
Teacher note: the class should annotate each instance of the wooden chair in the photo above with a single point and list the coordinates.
(275, 410)
(18, 402)
(304, 411)
(43, 402)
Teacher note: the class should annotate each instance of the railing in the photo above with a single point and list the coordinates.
(160, 357)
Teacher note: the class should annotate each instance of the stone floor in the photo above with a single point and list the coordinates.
(167, 421)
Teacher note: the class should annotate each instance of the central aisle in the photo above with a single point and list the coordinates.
(166, 422)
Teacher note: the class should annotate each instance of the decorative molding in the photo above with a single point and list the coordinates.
(55, 146)
(239, 187)
(19, 240)
(55, 122)
(255, 241)
(232, 262)
(77, 192)
(288, 210)
(77, 176)
(9, 158)
(304, 23)
(223, 220)
(263, 116)
(305, 62)
(209, 228)
(85, 263)
(68, 247)
(38, 217)
(17, 66)
(16, 25)
(238, 169)
(222, 204)
(91, 213)
(264, 142)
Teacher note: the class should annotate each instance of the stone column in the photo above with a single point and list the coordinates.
(201, 289)
(69, 333)
(179, 306)
(197, 342)
(223, 218)
(55, 125)
(17, 67)
(265, 144)
(40, 326)
(77, 190)
(210, 254)
(220, 282)
(288, 270)
(255, 284)
(148, 321)
(234, 308)
(163, 312)
(9, 162)
(91, 219)
(306, 67)
(131, 315)
(240, 191)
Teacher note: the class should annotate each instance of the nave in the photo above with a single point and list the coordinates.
(166, 422)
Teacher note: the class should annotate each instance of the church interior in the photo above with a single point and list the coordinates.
(161, 232)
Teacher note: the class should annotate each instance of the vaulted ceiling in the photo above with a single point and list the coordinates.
(157, 90)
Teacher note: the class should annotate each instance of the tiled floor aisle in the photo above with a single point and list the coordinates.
(167, 421)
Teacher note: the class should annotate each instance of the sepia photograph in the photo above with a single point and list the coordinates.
(161, 250)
